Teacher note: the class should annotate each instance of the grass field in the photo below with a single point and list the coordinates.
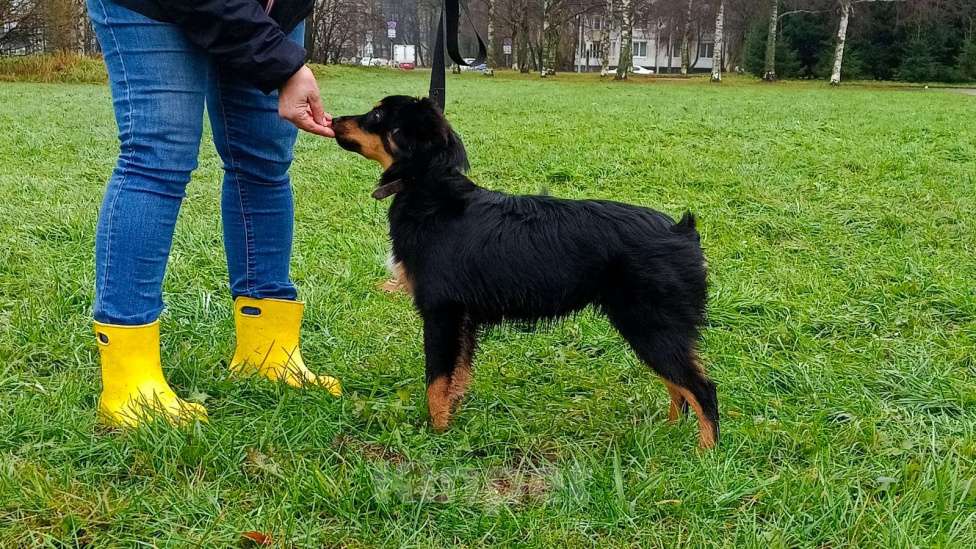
(841, 240)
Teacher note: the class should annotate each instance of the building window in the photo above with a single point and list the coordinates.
(640, 48)
(706, 49)
(675, 49)
(594, 50)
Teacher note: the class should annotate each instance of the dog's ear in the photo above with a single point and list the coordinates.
(421, 128)
(423, 132)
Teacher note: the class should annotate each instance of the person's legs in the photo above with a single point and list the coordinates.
(158, 81)
(257, 212)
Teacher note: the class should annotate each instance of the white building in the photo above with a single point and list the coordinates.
(655, 50)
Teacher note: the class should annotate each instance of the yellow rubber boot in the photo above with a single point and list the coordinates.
(133, 387)
(268, 343)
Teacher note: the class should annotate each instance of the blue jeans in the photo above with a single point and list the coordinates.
(160, 83)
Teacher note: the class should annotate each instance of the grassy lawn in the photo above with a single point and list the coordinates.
(839, 226)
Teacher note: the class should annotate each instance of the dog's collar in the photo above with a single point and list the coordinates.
(387, 190)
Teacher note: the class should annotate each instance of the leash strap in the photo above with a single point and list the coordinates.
(448, 28)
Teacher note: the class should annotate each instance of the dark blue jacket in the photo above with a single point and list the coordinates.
(242, 35)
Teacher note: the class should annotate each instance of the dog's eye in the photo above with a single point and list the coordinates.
(375, 116)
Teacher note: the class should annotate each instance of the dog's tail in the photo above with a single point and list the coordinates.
(686, 226)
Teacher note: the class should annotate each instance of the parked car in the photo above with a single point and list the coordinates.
(479, 68)
(374, 62)
(636, 69)
(407, 66)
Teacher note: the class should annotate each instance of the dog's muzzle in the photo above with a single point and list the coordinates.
(340, 126)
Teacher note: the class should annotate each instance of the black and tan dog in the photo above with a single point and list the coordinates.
(474, 258)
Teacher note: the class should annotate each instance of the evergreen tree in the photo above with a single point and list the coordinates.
(967, 60)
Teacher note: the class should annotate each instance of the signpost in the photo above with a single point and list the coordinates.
(507, 49)
(391, 34)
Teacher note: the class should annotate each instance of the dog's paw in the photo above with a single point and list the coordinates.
(392, 286)
(440, 421)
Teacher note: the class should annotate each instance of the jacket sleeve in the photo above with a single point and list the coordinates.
(241, 36)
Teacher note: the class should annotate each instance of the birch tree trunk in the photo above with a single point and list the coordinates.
(769, 72)
(657, 41)
(719, 38)
(492, 39)
(686, 40)
(626, 58)
(845, 16)
(522, 42)
(543, 45)
(551, 60)
(605, 39)
(670, 47)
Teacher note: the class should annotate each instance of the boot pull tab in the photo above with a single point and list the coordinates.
(250, 310)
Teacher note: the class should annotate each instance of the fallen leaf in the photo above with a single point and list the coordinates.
(255, 538)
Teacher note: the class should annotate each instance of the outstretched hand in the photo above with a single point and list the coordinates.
(299, 103)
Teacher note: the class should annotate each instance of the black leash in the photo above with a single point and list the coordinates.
(447, 29)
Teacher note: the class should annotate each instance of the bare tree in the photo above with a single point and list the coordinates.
(557, 15)
(62, 27)
(550, 37)
(686, 39)
(21, 25)
(605, 38)
(626, 59)
(845, 17)
(516, 17)
(846, 8)
(739, 16)
(769, 72)
(492, 38)
(719, 40)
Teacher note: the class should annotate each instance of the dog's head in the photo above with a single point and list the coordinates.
(406, 135)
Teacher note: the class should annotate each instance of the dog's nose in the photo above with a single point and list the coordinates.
(339, 123)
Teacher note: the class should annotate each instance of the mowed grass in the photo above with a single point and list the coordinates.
(841, 240)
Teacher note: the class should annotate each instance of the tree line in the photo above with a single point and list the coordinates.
(912, 40)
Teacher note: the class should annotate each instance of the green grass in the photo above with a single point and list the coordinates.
(841, 240)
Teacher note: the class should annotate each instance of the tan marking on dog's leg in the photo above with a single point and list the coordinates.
(446, 392)
(676, 409)
(461, 378)
(399, 280)
(439, 403)
(706, 429)
(391, 286)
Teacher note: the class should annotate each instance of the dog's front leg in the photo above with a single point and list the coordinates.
(442, 348)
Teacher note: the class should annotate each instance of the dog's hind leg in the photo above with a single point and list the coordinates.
(679, 406)
(670, 351)
(676, 361)
(699, 393)
(448, 346)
